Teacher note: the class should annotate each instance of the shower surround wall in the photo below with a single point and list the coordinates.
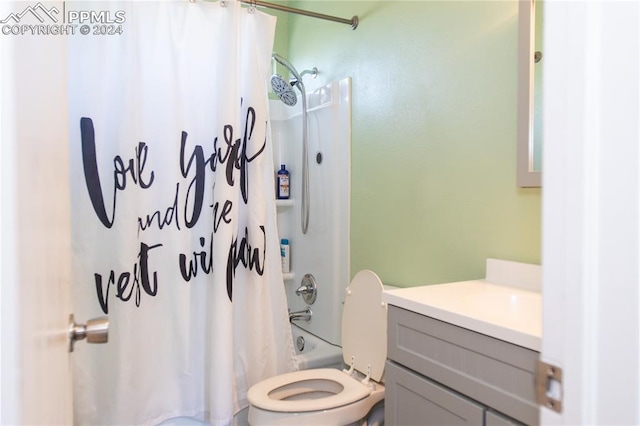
(324, 250)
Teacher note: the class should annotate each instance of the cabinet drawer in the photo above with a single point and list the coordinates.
(491, 371)
(411, 399)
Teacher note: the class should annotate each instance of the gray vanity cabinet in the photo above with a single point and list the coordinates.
(441, 374)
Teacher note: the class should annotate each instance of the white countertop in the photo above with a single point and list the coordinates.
(507, 313)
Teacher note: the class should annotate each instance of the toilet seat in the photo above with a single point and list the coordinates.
(285, 393)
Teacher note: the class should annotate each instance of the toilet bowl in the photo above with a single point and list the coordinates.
(330, 396)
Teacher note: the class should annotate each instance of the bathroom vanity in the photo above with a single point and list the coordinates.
(465, 353)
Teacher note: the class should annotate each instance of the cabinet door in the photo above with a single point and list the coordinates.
(412, 399)
(490, 371)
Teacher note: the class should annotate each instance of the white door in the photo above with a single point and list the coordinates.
(35, 232)
(591, 200)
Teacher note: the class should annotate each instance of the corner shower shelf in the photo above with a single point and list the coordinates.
(284, 203)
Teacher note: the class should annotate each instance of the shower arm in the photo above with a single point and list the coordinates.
(313, 72)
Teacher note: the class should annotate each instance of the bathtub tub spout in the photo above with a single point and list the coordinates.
(304, 315)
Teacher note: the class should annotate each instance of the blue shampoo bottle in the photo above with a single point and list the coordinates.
(283, 184)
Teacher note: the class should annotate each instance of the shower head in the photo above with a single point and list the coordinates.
(284, 90)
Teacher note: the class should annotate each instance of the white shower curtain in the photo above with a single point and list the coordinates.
(174, 222)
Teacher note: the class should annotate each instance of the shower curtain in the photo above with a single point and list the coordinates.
(174, 222)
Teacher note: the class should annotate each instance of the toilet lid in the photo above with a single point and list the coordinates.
(268, 394)
(364, 324)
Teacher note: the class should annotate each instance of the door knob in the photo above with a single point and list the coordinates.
(95, 331)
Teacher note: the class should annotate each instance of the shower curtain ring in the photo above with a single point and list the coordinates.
(252, 6)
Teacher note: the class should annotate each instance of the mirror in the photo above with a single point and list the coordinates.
(529, 160)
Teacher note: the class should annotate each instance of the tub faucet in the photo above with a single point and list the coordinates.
(304, 315)
(308, 289)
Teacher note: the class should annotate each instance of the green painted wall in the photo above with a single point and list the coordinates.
(434, 133)
(281, 42)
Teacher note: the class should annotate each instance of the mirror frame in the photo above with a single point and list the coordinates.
(526, 176)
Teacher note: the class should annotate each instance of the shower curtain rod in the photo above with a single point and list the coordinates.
(353, 21)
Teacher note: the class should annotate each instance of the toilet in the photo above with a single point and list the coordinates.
(329, 396)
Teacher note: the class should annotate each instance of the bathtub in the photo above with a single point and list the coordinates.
(313, 352)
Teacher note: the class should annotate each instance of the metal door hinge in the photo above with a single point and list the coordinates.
(549, 386)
